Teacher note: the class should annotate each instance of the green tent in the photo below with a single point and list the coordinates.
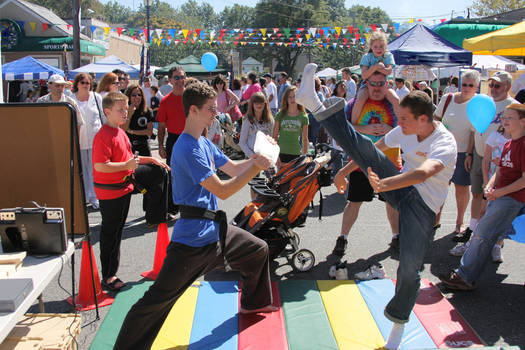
(455, 32)
(192, 67)
(31, 43)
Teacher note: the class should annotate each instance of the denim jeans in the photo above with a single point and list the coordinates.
(496, 222)
(416, 219)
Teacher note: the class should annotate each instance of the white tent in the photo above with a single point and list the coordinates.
(416, 73)
(327, 73)
(106, 65)
(482, 62)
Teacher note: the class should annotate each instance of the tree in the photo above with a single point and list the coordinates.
(64, 8)
(237, 16)
(484, 8)
(117, 13)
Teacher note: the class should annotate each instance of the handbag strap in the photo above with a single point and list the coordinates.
(98, 107)
(447, 102)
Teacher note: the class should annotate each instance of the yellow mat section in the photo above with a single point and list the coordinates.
(351, 321)
(176, 330)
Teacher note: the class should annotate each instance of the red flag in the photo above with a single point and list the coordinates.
(44, 26)
(119, 30)
(374, 27)
(443, 20)
(350, 29)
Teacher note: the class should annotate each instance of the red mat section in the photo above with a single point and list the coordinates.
(263, 331)
(444, 324)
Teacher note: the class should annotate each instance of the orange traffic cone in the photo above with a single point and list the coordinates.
(85, 299)
(163, 239)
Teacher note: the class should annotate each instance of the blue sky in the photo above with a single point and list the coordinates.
(399, 10)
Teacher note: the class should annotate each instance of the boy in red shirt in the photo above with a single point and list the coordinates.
(505, 192)
(112, 163)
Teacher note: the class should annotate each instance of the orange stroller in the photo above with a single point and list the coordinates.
(282, 204)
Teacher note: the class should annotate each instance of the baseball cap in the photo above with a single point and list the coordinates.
(56, 79)
(502, 77)
(267, 75)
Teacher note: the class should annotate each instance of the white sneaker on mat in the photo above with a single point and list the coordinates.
(458, 250)
(374, 272)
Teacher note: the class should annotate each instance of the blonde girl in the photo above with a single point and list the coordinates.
(378, 59)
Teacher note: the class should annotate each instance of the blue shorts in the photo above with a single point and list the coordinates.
(461, 176)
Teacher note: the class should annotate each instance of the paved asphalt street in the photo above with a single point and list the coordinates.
(495, 310)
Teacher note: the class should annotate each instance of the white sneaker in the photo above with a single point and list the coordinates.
(496, 254)
(458, 250)
(374, 272)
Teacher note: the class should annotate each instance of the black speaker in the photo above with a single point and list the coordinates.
(36, 230)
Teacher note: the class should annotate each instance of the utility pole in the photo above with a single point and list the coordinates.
(76, 34)
(309, 46)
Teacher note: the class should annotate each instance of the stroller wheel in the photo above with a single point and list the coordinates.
(303, 260)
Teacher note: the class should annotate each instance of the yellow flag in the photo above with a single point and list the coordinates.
(411, 20)
(33, 25)
(106, 30)
(307, 36)
(263, 44)
(263, 31)
(367, 36)
(338, 30)
(185, 33)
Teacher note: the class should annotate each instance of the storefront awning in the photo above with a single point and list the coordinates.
(56, 44)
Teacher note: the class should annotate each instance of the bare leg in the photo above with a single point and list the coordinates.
(350, 217)
(462, 199)
(360, 101)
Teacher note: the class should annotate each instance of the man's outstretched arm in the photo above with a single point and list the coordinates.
(429, 168)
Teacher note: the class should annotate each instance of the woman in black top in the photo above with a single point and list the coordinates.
(139, 126)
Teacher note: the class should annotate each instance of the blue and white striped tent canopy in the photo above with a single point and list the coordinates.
(28, 68)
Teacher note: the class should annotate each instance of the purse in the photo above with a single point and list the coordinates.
(235, 112)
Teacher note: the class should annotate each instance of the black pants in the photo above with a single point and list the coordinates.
(156, 181)
(114, 213)
(183, 265)
(172, 138)
(142, 147)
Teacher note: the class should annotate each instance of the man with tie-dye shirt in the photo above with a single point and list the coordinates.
(375, 120)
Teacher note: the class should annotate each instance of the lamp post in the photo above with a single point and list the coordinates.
(147, 3)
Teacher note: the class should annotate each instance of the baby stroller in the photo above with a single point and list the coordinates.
(282, 204)
(231, 137)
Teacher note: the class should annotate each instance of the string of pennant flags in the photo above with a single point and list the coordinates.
(324, 37)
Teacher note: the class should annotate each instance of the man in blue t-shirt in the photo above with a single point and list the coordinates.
(205, 241)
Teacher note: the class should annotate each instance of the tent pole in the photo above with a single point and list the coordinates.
(439, 81)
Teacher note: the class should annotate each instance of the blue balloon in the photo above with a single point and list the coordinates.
(209, 61)
(481, 110)
(519, 228)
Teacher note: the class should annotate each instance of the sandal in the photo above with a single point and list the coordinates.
(112, 286)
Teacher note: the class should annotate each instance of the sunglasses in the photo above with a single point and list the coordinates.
(120, 79)
(376, 83)
(494, 86)
(465, 85)
(84, 82)
(135, 95)
(115, 83)
(178, 77)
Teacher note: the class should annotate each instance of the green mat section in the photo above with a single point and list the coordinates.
(307, 324)
(110, 327)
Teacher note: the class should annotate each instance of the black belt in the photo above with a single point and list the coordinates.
(128, 179)
(219, 216)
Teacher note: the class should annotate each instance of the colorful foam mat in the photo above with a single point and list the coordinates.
(311, 315)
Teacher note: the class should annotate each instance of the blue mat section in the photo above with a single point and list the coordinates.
(377, 293)
(216, 321)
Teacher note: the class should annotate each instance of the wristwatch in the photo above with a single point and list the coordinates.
(470, 154)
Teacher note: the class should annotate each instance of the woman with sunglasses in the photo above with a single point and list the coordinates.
(90, 105)
(139, 125)
(226, 99)
(452, 111)
(108, 83)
